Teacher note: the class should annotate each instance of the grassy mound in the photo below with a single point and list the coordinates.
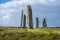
(7, 33)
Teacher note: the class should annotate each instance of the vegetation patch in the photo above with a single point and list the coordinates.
(29, 34)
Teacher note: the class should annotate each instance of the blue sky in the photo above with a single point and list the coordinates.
(4, 1)
(10, 11)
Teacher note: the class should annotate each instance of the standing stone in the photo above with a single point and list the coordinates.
(24, 22)
(21, 25)
(37, 22)
(44, 23)
(30, 19)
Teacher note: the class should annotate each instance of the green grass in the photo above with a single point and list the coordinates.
(7, 33)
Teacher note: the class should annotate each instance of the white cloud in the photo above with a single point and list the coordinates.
(38, 1)
(51, 0)
(8, 9)
(6, 17)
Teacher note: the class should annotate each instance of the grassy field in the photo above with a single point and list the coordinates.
(9, 33)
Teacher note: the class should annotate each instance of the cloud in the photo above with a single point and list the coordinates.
(38, 1)
(10, 11)
(6, 17)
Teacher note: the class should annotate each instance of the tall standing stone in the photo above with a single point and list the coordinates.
(30, 19)
(24, 22)
(44, 23)
(21, 25)
(37, 22)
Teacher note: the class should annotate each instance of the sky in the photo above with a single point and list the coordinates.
(10, 12)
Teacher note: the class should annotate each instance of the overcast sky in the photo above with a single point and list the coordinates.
(10, 11)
